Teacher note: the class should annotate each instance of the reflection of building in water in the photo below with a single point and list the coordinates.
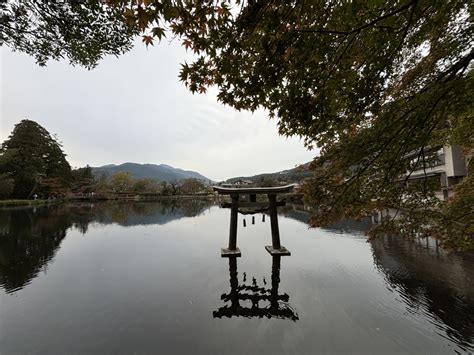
(432, 280)
(277, 305)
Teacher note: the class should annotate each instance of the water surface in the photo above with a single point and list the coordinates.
(148, 278)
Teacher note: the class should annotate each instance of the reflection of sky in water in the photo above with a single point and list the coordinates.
(147, 277)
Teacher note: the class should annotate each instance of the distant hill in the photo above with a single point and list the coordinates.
(290, 176)
(160, 172)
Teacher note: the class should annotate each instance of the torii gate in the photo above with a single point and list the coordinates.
(252, 207)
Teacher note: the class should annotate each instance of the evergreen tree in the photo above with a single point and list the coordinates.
(30, 156)
(83, 179)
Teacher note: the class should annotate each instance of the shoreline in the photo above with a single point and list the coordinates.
(126, 197)
(39, 202)
(9, 203)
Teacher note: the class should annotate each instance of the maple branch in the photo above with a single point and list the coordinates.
(371, 23)
(461, 64)
(407, 27)
(351, 181)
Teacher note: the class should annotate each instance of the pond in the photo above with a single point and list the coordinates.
(147, 277)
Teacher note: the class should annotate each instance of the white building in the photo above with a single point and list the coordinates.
(242, 182)
(447, 162)
(237, 183)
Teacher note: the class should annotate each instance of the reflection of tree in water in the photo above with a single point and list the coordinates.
(29, 237)
(303, 214)
(28, 240)
(277, 305)
(426, 276)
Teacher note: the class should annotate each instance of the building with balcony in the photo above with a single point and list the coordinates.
(446, 163)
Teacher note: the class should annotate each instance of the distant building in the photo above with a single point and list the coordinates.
(446, 163)
(237, 183)
(242, 182)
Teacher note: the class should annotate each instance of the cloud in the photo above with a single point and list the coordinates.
(133, 108)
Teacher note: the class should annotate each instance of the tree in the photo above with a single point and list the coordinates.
(6, 185)
(365, 82)
(82, 31)
(174, 187)
(122, 181)
(102, 182)
(83, 180)
(52, 187)
(266, 181)
(191, 186)
(30, 155)
(144, 185)
(165, 189)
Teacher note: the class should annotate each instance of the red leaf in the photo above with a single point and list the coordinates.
(147, 40)
(187, 43)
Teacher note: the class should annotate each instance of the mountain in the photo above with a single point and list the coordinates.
(289, 176)
(160, 172)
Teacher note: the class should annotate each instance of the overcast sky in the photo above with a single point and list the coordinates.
(135, 109)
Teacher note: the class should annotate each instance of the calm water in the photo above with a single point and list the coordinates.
(148, 278)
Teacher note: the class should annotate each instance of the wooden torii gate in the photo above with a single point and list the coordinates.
(252, 206)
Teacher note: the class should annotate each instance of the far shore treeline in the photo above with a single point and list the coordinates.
(34, 165)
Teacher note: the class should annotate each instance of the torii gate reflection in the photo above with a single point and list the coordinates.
(278, 303)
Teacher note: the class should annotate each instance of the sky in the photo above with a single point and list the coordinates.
(134, 109)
